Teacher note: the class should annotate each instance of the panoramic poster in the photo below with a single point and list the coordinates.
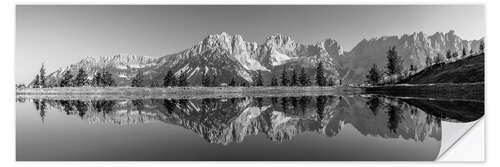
(247, 82)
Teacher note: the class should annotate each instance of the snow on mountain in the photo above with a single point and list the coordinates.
(122, 66)
(413, 48)
(280, 51)
(277, 58)
(226, 56)
(223, 56)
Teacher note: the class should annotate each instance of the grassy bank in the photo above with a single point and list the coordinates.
(467, 70)
(473, 91)
(178, 92)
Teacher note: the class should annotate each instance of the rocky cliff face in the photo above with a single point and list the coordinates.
(122, 66)
(224, 56)
(228, 56)
(413, 48)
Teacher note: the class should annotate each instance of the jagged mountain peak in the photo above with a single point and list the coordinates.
(414, 36)
(451, 32)
(226, 56)
(278, 40)
(225, 41)
(412, 47)
(123, 58)
(437, 34)
(331, 46)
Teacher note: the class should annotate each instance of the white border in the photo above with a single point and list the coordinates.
(7, 9)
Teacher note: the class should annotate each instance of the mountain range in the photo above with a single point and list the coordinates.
(225, 121)
(226, 56)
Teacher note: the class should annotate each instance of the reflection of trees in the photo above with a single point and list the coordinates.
(303, 102)
(81, 107)
(139, 105)
(104, 106)
(394, 118)
(67, 107)
(274, 100)
(40, 106)
(20, 99)
(230, 120)
(374, 103)
(294, 102)
(452, 110)
(75, 106)
(320, 106)
(169, 104)
(259, 101)
(284, 104)
(36, 102)
(400, 119)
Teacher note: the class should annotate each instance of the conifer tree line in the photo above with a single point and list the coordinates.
(287, 78)
(100, 79)
(294, 78)
(40, 80)
(104, 78)
(395, 66)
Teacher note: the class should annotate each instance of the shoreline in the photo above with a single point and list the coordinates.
(179, 92)
(473, 91)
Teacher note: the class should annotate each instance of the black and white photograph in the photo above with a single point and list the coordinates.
(335, 82)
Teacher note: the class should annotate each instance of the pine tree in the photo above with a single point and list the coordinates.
(36, 81)
(138, 80)
(320, 76)
(174, 80)
(97, 80)
(213, 81)
(284, 77)
(155, 84)
(42, 81)
(66, 79)
(481, 46)
(394, 62)
(183, 80)
(464, 52)
(438, 59)
(205, 80)
(331, 82)
(454, 55)
(259, 81)
(80, 78)
(232, 82)
(274, 81)
(244, 83)
(107, 79)
(374, 75)
(169, 79)
(413, 68)
(303, 78)
(448, 55)
(428, 61)
(294, 79)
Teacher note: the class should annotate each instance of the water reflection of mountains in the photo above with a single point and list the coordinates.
(226, 121)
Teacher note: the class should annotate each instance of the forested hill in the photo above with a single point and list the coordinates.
(467, 70)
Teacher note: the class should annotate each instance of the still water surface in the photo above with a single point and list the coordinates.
(358, 127)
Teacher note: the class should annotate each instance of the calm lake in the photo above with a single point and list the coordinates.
(351, 127)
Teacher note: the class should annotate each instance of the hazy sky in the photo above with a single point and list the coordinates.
(61, 35)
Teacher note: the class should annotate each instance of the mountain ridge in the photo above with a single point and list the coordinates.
(226, 56)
